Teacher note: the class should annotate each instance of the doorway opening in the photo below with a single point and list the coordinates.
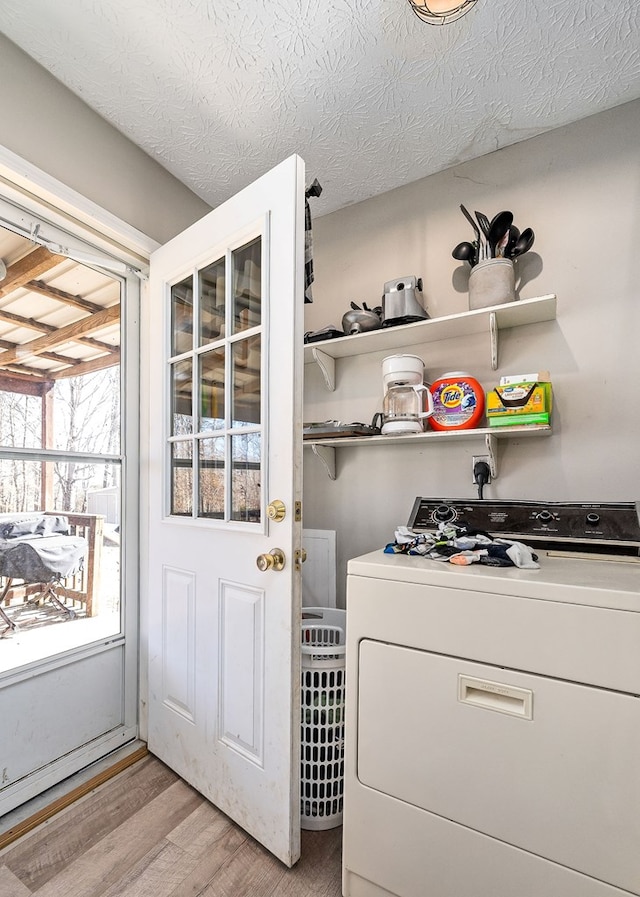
(69, 419)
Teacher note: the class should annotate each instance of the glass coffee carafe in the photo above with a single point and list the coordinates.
(403, 409)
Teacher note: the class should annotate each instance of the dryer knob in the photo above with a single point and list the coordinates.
(444, 514)
(593, 519)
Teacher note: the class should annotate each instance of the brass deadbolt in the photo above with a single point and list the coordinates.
(272, 560)
(276, 511)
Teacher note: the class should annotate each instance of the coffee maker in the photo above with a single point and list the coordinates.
(404, 395)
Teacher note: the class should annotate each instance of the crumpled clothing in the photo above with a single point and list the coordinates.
(462, 545)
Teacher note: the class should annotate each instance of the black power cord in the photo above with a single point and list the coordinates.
(481, 476)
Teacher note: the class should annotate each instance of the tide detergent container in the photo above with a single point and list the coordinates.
(458, 402)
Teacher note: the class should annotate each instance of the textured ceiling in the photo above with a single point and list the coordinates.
(218, 91)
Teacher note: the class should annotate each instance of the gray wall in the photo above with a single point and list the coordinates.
(579, 188)
(50, 127)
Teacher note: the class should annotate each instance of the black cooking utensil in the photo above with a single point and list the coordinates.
(484, 222)
(465, 252)
(483, 249)
(514, 233)
(498, 227)
(469, 218)
(523, 243)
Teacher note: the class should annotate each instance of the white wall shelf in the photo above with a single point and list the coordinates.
(484, 320)
(325, 449)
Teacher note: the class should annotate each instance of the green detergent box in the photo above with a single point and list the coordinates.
(520, 399)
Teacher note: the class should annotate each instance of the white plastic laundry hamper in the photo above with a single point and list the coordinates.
(322, 722)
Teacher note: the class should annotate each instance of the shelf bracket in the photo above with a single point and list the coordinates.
(491, 444)
(327, 455)
(493, 331)
(327, 365)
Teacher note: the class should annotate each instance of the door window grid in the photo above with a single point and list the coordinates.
(215, 455)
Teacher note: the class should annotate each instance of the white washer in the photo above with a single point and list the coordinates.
(492, 729)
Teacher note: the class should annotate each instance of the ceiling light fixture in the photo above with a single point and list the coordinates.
(440, 12)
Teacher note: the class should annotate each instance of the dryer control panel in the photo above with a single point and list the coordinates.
(612, 528)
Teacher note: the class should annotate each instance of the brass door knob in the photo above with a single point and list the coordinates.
(276, 510)
(272, 560)
(300, 557)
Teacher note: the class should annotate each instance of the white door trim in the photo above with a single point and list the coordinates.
(36, 191)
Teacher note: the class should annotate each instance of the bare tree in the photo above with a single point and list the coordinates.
(19, 428)
(86, 420)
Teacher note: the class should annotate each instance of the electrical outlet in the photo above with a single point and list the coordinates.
(477, 458)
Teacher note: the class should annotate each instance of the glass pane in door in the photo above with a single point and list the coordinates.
(212, 389)
(212, 302)
(182, 478)
(246, 480)
(182, 316)
(246, 392)
(182, 398)
(247, 286)
(211, 477)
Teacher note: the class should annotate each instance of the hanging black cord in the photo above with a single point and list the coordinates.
(481, 476)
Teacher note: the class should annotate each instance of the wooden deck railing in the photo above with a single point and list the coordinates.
(84, 586)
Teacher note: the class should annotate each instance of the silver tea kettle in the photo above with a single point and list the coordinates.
(361, 320)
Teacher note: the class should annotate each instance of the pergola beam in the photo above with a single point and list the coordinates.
(39, 286)
(28, 268)
(24, 384)
(50, 356)
(77, 331)
(41, 327)
(86, 367)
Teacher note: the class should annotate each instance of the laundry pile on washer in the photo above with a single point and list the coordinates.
(463, 545)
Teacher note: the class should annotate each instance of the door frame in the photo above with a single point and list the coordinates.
(32, 190)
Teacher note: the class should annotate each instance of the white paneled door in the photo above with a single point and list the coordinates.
(225, 455)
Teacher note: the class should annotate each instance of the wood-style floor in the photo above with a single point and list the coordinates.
(146, 833)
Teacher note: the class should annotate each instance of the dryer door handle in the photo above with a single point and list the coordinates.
(495, 696)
